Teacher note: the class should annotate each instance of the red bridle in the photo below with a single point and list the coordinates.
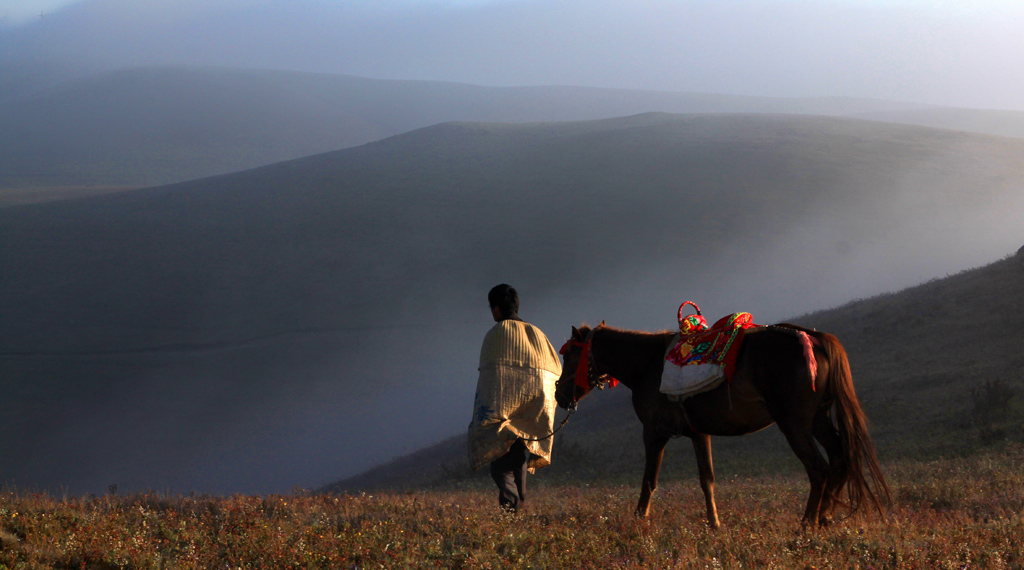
(583, 367)
(586, 364)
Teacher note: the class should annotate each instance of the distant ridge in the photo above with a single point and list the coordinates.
(989, 121)
(158, 125)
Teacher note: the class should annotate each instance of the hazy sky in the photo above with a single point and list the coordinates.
(960, 52)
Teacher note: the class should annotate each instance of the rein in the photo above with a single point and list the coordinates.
(572, 410)
(581, 369)
(584, 378)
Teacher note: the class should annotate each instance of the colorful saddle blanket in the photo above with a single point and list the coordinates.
(701, 357)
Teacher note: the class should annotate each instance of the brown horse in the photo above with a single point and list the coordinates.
(771, 384)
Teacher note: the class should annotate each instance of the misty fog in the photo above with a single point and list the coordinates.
(293, 324)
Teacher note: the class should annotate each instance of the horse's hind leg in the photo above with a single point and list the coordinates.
(802, 442)
(702, 447)
(838, 470)
(654, 452)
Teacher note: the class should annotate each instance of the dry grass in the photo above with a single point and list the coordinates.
(950, 513)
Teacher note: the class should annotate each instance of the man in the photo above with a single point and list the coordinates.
(514, 400)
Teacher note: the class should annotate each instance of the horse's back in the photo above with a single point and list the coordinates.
(771, 377)
(786, 366)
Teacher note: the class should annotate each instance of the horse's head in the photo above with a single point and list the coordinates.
(579, 371)
(570, 387)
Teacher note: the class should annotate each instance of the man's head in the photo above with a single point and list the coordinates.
(504, 302)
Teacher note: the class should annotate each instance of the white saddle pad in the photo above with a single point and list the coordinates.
(681, 382)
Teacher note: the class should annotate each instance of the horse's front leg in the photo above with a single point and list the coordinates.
(654, 451)
(702, 447)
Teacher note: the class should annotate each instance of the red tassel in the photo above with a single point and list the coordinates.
(583, 368)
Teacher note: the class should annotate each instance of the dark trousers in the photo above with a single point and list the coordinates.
(509, 473)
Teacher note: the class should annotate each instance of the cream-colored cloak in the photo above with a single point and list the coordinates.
(515, 394)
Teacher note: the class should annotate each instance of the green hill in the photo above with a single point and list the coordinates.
(303, 321)
(148, 126)
(936, 366)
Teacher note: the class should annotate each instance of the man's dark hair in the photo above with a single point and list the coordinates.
(506, 299)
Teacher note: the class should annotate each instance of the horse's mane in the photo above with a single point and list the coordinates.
(627, 335)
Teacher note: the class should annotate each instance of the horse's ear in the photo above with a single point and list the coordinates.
(576, 333)
(602, 324)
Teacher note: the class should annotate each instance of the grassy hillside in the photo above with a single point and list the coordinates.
(937, 368)
(150, 126)
(306, 320)
(941, 362)
(952, 513)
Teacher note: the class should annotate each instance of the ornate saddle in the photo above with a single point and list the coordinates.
(700, 357)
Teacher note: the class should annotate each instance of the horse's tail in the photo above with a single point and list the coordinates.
(860, 457)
